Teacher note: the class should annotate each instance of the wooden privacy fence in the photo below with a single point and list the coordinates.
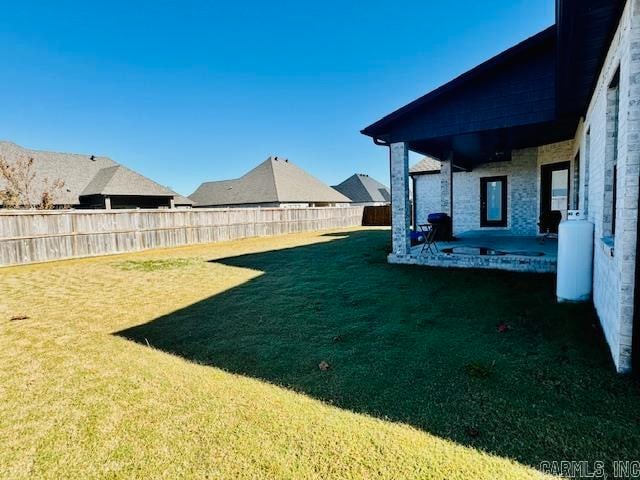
(39, 236)
(379, 215)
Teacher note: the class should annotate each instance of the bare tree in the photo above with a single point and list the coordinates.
(19, 190)
(49, 192)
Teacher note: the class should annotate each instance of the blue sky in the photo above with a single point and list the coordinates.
(190, 91)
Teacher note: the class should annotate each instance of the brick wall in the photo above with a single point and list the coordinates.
(523, 188)
(615, 256)
(427, 196)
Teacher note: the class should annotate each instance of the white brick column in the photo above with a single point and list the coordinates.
(400, 206)
(446, 185)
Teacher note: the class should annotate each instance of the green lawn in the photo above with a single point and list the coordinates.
(204, 362)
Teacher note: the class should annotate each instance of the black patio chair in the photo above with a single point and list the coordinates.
(430, 232)
(549, 223)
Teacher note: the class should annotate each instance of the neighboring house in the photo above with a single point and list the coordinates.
(276, 182)
(363, 190)
(91, 181)
(550, 124)
(180, 201)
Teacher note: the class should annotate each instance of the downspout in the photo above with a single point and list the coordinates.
(382, 143)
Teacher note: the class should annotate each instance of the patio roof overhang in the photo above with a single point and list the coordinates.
(531, 94)
(476, 148)
(585, 31)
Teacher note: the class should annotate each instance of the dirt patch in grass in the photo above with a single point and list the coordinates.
(156, 264)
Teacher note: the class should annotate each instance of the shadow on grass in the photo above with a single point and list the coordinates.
(486, 359)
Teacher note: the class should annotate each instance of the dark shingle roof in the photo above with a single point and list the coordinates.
(362, 188)
(276, 180)
(82, 174)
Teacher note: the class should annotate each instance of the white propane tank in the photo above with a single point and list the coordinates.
(575, 259)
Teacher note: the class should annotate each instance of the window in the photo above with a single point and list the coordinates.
(611, 157)
(554, 195)
(493, 201)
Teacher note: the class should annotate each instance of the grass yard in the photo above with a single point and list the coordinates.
(204, 362)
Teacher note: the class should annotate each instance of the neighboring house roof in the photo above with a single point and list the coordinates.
(75, 170)
(426, 165)
(81, 174)
(181, 200)
(119, 180)
(276, 180)
(361, 188)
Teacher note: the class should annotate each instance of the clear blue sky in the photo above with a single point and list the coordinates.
(190, 91)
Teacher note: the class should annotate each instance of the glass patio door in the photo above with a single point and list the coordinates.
(493, 201)
(554, 192)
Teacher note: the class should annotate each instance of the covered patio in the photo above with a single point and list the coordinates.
(500, 250)
(492, 130)
(505, 136)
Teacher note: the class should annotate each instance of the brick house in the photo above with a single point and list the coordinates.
(276, 183)
(552, 123)
(90, 181)
(364, 190)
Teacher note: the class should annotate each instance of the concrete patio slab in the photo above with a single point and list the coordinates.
(493, 249)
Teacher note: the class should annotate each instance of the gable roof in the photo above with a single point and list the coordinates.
(491, 70)
(532, 93)
(276, 180)
(426, 165)
(81, 174)
(362, 188)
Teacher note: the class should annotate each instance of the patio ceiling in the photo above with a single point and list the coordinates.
(475, 148)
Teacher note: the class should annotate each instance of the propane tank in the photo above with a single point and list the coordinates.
(575, 259)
